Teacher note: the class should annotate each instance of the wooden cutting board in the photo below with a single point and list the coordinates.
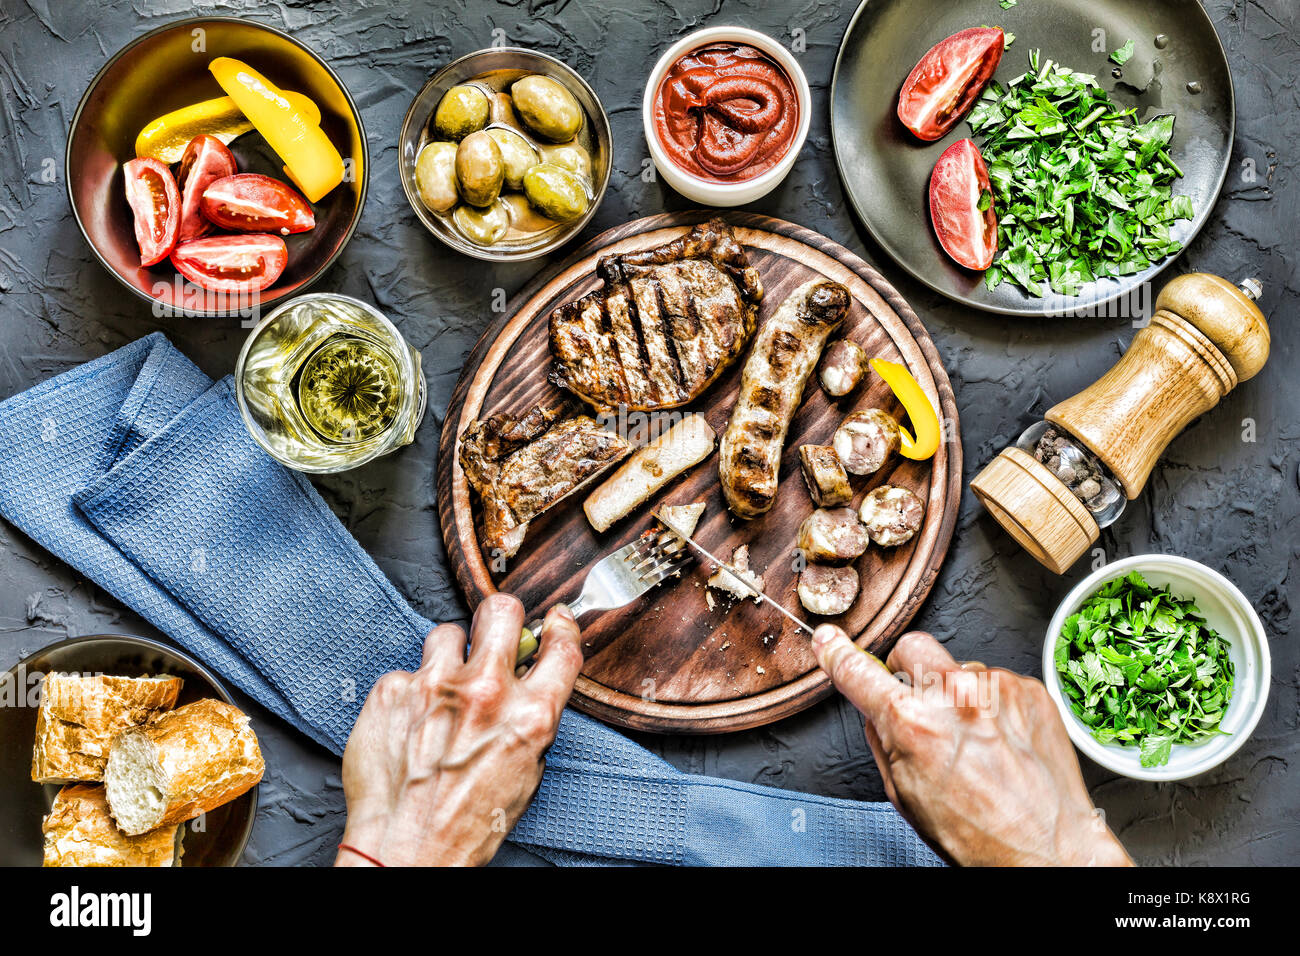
(669, 662)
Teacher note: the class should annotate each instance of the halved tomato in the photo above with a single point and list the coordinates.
(205, 160)
(156, 204)
(232, 263)
(256, 203)
(958, 187)
(943, 86)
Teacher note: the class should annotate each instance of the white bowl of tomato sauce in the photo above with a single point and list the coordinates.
(726, 113)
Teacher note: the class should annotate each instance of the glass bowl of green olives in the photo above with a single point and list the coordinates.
(505, 154)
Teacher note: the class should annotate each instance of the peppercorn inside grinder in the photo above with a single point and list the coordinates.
(1071, 475)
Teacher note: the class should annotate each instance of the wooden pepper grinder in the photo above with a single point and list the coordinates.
(1070, 476)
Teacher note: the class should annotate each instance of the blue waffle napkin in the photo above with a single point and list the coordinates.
(136, 470)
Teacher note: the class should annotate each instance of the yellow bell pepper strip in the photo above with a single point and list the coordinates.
(310, 159)
(917, 405)
(166, 137)
(528, 644)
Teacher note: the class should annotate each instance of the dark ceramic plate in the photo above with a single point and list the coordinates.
(161, 71)
(224, 831)
(886, 170)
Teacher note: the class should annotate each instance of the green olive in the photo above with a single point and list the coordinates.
(461, 111)
(547, 108)
(571, 156)
(555, 192)
(503, 111)
(435, 176)
(480, 170)
(482, 226)
(516, 152)
(523, 217)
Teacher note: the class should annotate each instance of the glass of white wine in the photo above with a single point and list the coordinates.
(326, 383)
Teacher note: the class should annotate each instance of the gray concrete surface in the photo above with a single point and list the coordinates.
(1229, 503)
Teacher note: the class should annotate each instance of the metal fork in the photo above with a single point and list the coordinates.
(619, 579)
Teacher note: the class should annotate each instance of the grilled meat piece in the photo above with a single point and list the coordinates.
(865, 440)
(520, 467)
(828, 591)
(667, 323)
(844, 366)
(784, 355)
(828, 485)
(832, 536)
(892, 515)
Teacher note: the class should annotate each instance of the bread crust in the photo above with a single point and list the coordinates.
(206, 754)
(79, 831)
(79, 715)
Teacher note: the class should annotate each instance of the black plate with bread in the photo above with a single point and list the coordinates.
(175, 728)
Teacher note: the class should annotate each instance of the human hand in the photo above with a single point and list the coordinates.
(976, 759)
(442, 762)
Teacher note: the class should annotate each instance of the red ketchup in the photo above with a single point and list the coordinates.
(726, 113)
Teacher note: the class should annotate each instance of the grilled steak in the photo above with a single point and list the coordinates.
(520, 467)
(667, 323)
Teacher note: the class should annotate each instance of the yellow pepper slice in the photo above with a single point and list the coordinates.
(166, 137)
(918, 407)
(310, 158)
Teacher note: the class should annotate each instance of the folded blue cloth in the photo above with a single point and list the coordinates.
(136, 470)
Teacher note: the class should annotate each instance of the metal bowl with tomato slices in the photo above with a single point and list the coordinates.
(167, 69)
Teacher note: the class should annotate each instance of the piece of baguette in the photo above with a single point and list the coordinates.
(684, 518)
(651, 467)
(185, 763)
(79, 831)
(720, 580)
(79, 716)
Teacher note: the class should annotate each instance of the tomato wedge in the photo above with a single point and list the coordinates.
(958, 185)
(232, 263)
(156, 204)
(256, 203)
(205, 160)
(943, 86)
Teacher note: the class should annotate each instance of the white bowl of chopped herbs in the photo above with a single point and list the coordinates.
(1160, 667)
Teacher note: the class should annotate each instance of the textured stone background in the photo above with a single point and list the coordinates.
(1230, 504)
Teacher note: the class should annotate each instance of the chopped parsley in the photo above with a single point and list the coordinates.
(1123, 54)
(1141, 668)
(1082, 190)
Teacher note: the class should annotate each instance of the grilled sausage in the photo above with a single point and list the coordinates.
(892, 515)
(828, 591)
(865, 440)
(843, 368)
(832, 536)
(828, 485)
(783, 355)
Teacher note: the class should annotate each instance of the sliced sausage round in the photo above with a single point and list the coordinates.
(828, 591)
(832, 536)
(828, 485)
(843, 367)
(865, 440)
(892, 515)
